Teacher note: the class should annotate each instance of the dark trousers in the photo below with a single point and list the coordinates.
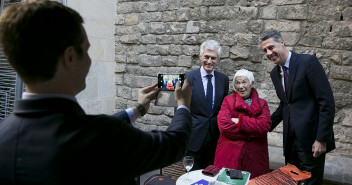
(295, 155)
(206, 154)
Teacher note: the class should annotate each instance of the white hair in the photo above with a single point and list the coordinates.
(211, 45)
(243, 73)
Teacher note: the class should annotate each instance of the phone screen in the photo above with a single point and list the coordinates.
(168, 81)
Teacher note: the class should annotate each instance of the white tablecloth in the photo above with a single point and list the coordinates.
(195, 176)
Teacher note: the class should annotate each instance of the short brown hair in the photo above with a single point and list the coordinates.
(35, 34)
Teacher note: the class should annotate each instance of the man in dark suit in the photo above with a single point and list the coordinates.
(307, 106)
(49, 139)
(208, 90)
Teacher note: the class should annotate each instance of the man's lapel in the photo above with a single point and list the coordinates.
(278, 83)
(292, 73)
(219, 86)
(198, 88)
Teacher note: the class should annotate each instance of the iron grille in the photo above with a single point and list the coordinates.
(11, 86)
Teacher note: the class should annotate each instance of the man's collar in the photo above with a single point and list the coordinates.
(204, 73)
(287, 63)
(32, 96)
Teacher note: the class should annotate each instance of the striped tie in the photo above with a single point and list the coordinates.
(290, 124)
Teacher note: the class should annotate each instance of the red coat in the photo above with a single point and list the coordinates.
(244, 146)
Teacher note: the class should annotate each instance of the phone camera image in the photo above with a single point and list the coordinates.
(168, 81)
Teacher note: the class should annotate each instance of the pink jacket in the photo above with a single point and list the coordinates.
(243, 146)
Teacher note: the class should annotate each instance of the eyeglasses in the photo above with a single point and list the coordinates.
(207, 57)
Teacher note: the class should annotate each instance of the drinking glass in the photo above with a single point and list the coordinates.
(188, 162)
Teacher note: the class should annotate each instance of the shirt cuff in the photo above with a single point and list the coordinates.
(182, 107)
(130, 114)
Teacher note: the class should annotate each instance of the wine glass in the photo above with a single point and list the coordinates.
(188, 162)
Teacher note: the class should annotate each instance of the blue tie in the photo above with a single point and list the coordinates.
(209, 95)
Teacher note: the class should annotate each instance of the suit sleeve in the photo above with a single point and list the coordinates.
(276, 117)
(321, 89)
(256, 126)
(123, 116)
(146, 151)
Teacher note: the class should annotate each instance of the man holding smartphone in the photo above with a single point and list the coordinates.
(209, 88)
(49, 139)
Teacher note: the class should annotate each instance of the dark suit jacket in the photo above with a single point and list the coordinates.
(52, 141)
(310, 102)
(201, 119)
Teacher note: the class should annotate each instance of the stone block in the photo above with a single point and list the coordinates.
(214, 2)
(212, 26)
(190, 39)
(268, 12)
(166, 39)
(135, 94)
(152, 6)
(141, 49)
(342, 99)
(122, 30)
(192, 27)
(169, 5)
(120, 58)
(347, 121)
(340, 86)
(169, 16)
(175, 27)
(175, 49)
(239, 52)
(149, 61)
(119, 19)
(153, 49)
(341, 72)
(291, 26)
(199, 13)
(184, 61)
(132, 58)
(334, 168)
(183, 14)
(347, 58)
(157, 120)
(148, 39)
(227, 39)
(347, 14)
(190, 50)
(311, 41)
(169, 60)
(120, 103)
(119, 68)
(157, 28)
(246, 39)
(287, 2)
(256, 26)
(118, 79)
(342, 28)
(141, 28)
(275, 139)
(151, 17)
(124, 92)
(236, 26)
(191, 4)
(276, 157)
(130, 7)
(324, 13)
(225, 53)
(143, 81)
(129, 39)
(131, 19)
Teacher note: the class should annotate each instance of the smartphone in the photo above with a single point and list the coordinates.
(168, 81)
(167, 85)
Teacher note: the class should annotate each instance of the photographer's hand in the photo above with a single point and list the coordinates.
(145, 96)
(183, 95)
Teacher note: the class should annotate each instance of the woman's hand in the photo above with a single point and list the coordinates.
(235, 120)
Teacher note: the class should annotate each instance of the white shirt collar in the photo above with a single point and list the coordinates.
(34, 96)
(203, 73)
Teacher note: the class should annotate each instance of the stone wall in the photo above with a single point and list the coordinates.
(164, 36)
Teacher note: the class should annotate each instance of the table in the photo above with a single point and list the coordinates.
(197, 175)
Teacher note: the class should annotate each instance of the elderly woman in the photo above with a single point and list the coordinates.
(244, 120)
